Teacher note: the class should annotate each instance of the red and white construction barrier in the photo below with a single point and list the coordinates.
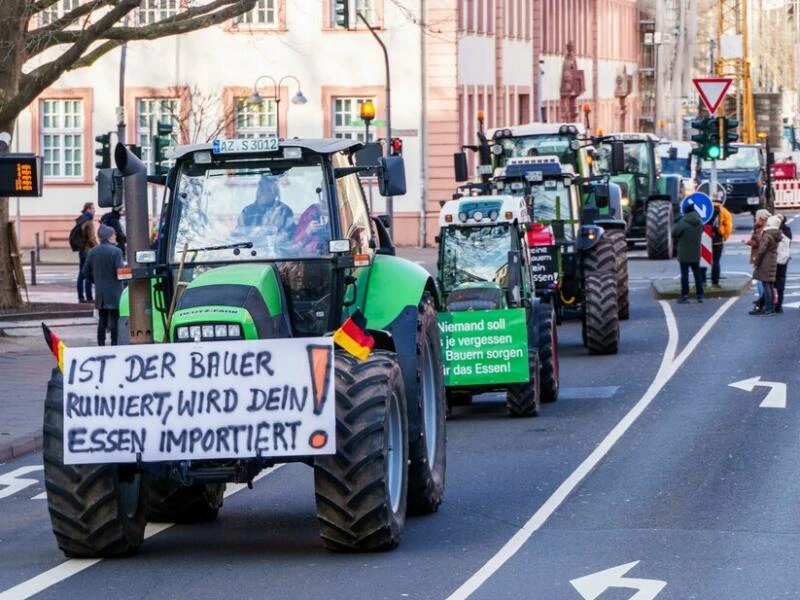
(787, 193)
(706, 256)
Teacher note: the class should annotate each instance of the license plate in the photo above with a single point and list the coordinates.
(268, 144)
(752, 201)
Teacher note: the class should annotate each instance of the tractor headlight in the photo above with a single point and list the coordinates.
(194, 332)
(183, 333)
(208, 331)
(234, 331)
(477, 215)
(220, 331)
(497, 149)
(626, 201)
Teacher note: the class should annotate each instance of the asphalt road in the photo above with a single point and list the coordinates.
(651, 477)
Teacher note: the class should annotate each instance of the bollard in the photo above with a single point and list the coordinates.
(33, 267)
(38, 255)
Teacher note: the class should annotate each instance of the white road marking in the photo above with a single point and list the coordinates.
(73, 566)
(776, 397)
(592, 586)
(14, 482)
(669, 366)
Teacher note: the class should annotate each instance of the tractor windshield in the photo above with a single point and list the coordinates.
(539, 145)
(637, 158)
(551, 201)
(251, 211)
(475, 254)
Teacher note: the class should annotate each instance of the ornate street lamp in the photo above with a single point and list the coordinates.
(256, 98)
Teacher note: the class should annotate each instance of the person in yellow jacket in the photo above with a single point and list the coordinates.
(721, 229)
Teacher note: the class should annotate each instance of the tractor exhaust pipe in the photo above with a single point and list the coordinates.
(134, 173)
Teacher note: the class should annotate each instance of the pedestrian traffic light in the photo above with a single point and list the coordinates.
(104, 151)
(729, 136)
(341, 11)
(707, 138)
(161, 141)
(396, 147)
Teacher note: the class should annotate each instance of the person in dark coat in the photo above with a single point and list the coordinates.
(688, 232)
(111, 219)
(784, 256)
(102, 263)
(89, 241)
(766, 265)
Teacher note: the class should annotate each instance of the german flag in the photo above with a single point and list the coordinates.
(55, 344)
(352, 336)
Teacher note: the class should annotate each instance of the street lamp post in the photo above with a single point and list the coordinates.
(256, 98)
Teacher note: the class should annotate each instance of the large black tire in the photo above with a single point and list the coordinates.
(523, 399)
(548, 353)
(170, 502)
(600, 257)
(361, 491)
(96, 510)
(620, 246)
(659, 230)
(427, 467)
(601, 316)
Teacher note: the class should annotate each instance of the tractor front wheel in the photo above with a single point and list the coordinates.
(620, 246)
(548, 353)
(523, 399)
(659, 230)
(361, 491)
(96, 510)
(601, 318)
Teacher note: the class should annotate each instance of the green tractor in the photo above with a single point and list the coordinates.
(265, 248)
(650, 198)
(496, 335)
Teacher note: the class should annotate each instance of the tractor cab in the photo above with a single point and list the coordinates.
(567, 142)
(481, 249)
(641, 167)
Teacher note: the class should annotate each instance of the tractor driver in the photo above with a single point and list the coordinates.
(268, 211)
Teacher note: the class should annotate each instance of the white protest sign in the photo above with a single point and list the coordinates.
(209, 400)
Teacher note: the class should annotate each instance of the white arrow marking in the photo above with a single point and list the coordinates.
(14, 481)
(591, 586)
(776, 398)
(701, 210)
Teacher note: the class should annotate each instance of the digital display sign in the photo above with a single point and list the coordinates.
(20, 175)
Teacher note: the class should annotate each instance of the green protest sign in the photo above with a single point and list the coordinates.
(482, 347)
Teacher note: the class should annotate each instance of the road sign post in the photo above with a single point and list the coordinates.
(712, 90)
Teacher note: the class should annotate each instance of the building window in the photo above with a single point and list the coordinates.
(53, 13)
(265, 14)
(149, 112)
(62, 138)
(346, 111)
(153, 11)
(256, 120)
(368, 8)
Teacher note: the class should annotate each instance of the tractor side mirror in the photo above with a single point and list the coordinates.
(369, 155)
(109, 188)
(460, 166)
(617, 157)
(514, 289)
(391, 176)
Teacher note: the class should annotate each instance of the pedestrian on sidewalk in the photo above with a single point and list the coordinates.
(721, 228)
(88, 241)
(758, 227)
(766, 265)
(784, 256)
(688, 232)
(102, 263)
(112, 219)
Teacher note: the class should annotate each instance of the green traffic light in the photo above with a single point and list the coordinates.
(713, 152)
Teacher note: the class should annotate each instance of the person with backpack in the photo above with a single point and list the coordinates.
(784, 256)
(82, 238)
(111, 219)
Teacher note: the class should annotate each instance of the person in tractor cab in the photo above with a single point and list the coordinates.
(268, 211)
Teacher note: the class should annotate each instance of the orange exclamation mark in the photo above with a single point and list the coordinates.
(319, 358)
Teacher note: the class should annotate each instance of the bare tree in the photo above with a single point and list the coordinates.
(74, 40)
(203, 116)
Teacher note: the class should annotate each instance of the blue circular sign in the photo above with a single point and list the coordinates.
(702, 204)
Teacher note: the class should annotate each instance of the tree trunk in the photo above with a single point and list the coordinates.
(9, 291)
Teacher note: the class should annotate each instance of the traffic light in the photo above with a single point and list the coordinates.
(707, 138)
(729, 136)
(104, 151)
(160, 142)
(341, 11)
(396, 147)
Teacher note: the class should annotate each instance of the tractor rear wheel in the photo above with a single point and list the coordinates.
(523, 399)
(659, 230)
(620, 246)
(548, 353)
(361, 491)
(601, 318)
(427, 466)
(96, 510)
(170, 502)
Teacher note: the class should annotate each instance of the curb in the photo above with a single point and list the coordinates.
(669, 289)
(21, 447)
